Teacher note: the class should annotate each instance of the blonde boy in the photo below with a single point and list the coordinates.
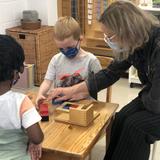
(72, 65)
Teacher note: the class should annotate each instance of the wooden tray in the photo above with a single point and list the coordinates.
(64, 117)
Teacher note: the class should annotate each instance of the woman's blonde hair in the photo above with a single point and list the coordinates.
(66, 27)
(130, 24)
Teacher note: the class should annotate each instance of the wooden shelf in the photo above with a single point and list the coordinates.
(149, 8)
(94, 38)
(99, 51)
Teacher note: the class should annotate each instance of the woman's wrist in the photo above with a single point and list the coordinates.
(74, 89)
(80, 88)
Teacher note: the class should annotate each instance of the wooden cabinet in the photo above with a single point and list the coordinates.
(39, 47)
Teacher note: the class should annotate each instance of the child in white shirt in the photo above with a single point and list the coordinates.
(18, 116)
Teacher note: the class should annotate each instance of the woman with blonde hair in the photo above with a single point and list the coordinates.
(130, 31)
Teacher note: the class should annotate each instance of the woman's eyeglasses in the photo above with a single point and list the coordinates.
(106, 38)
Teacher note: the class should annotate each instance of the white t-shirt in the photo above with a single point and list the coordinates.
(67, 72)
(16, 111)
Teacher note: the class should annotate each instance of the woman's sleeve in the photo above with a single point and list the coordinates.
(107, 77)
(151, 98)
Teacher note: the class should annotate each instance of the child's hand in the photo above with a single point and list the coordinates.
(40, 99)
(35, 151)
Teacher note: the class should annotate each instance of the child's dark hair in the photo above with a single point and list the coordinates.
(11, 57)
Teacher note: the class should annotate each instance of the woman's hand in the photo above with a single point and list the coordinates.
(61, 94)
(35, 151)
(76, 92)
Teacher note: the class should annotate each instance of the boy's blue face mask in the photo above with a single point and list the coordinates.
(70, 52)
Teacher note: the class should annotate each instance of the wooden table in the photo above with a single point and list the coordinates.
(70, 142)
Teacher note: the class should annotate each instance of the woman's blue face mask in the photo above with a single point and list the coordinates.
(113, 45)
(71, 52)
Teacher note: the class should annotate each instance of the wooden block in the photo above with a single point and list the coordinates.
(43, 110)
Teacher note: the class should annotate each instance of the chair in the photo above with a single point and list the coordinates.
(105, 61)
(154, 151)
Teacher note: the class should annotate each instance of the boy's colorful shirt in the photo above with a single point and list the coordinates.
(66, 72)
(71, 79)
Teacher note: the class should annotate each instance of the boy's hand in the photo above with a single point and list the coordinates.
(35, 151)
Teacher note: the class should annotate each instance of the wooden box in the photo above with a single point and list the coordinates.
(81, 116)
(39, 47)
(76, 113)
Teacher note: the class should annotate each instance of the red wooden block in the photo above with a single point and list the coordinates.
(43, 110)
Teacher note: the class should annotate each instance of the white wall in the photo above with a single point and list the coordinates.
(11, 11)
(52, 12)
(47, 10)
